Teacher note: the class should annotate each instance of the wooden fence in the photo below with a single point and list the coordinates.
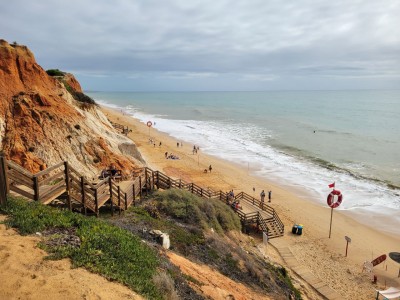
(270, 224)
(63, 180)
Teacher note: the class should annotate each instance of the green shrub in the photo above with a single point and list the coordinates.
(194, 210)
(55, 72)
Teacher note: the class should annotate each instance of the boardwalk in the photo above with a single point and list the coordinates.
(63, 182)
(283, 247)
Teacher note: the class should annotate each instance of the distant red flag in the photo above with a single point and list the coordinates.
(332, 185)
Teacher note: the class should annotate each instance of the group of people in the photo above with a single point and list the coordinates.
(236, 205)
(262, 196)
(209, 169)
(170, 156)
(111, 171)
(231, 197)
(195, 149)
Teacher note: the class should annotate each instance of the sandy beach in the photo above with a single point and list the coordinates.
(325, 257)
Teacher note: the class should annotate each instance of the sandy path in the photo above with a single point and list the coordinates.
(26, 275)
(324, 256)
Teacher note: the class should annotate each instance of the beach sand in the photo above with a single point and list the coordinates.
(323, 256)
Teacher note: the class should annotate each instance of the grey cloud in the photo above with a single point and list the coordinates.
(258, 40)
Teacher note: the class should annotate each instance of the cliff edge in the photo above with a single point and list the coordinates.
(43, 122)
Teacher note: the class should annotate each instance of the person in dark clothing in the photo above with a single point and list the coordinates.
(269, 196)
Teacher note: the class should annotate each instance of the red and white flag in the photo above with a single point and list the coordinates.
(332, 185)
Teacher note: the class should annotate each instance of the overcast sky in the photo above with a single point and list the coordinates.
(212, 45)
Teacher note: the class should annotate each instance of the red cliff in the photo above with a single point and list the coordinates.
(42, 124)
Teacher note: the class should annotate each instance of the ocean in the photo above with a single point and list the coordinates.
(303, 140)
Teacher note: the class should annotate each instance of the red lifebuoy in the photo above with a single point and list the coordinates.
(331, 197)
(149, 124)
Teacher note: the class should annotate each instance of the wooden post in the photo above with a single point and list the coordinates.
(158, 180)
(111, 197)
(126, 201)
(96, 201)
(134, 195)
(83, 194)
(152, 177)
(146, 182)
(3, 180)
(35, 188)
(180, 183)
(119, 200)
(140, 186)
(67, 185)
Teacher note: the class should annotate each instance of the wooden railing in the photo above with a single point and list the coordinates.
(62, 179)
(272, 225)
(120, 127)
(3, 181)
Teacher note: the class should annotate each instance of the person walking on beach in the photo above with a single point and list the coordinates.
(269, 196)
(262, 196)
(210, 168)
(177, 144)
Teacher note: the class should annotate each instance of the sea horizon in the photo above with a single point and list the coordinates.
(302, 140)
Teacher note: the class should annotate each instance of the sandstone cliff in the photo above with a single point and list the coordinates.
(41, 124)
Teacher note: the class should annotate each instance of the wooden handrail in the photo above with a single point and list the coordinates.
(97, 194)
(48, 170)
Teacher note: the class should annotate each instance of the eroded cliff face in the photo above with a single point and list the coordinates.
(41, 124)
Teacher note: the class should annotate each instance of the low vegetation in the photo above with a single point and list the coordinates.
(85, 101)
(99, 246)
(55, 72)
(206, 231)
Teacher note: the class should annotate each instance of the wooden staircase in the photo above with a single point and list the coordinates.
(63, 181)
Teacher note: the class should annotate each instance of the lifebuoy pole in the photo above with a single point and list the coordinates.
(330, 226)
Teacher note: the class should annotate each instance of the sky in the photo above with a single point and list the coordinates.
(212, 45)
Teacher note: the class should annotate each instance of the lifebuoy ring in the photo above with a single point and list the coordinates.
(331, 198)
(149, 124)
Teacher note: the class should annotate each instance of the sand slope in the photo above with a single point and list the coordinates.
(26, 275)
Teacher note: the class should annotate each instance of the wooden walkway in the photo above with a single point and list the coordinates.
(62, 180)
(283, 247)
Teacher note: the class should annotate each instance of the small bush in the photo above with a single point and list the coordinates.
(55, 72)
(166, 285)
